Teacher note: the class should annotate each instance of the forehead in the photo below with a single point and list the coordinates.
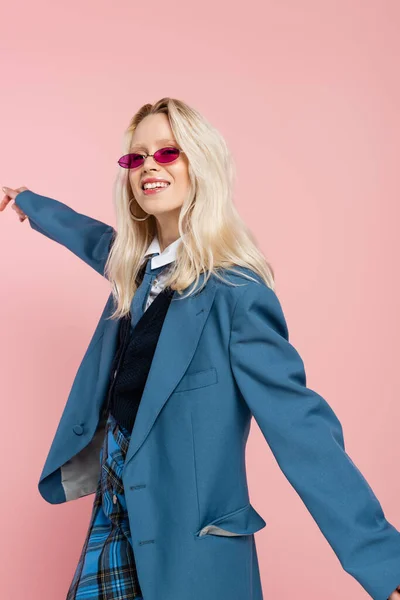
(159, 143)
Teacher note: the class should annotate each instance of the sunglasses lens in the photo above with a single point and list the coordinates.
(166, 155)
(130, 161)
(163, 156)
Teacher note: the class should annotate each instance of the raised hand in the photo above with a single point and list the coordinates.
(10, 194)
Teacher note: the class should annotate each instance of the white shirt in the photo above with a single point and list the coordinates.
(166, 257)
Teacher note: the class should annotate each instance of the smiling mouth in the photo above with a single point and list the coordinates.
(155, 190)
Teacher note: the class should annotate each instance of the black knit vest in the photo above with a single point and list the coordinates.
(133, 358)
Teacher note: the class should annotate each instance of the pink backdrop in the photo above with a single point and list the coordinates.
(307, 95)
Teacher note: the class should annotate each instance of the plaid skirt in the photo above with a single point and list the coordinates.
(106, 569)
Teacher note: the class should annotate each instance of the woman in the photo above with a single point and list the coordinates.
(191, 344)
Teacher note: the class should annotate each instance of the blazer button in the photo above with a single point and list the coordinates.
(78, 429)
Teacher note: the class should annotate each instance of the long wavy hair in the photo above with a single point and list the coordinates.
(213, 235)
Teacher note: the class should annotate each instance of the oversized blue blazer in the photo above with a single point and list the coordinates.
(223, 356)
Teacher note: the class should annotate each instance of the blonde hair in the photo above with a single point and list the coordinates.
(213, 234)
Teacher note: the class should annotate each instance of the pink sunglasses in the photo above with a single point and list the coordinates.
(163, 156)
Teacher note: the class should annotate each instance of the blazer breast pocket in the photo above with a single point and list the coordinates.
(197, 379)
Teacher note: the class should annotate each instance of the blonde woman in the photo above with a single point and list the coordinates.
(191, 344)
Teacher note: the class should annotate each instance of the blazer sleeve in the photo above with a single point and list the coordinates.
(306, 438)
(87, 238)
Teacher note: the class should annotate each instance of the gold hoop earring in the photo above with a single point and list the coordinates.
(133, 216)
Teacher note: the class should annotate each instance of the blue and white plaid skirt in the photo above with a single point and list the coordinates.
(106, 569)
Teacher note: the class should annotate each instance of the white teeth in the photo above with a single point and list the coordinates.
(148, 186)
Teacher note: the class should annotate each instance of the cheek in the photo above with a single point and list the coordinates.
(181, 176)
(134, 181)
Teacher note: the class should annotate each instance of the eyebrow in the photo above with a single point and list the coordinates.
(166, 140)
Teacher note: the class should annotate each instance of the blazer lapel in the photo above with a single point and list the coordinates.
(176, 346)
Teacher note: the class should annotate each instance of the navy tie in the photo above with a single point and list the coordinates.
(140, 297)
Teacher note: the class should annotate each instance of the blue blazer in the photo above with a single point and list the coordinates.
(223, 356)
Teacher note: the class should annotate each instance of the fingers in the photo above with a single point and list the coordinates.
(5, 200)
(10, 194)
(13, 193)
(21, 214)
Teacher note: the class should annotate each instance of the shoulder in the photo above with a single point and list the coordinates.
(252, 300)
(244, 284)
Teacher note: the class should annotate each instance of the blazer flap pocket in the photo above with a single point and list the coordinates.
(243, 521)
(197, 379)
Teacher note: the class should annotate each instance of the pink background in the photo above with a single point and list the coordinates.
(307, 95)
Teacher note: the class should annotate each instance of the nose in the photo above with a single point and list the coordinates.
(149, 162)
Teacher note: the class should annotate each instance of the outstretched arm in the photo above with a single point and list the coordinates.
(306, 438)
(88, 238)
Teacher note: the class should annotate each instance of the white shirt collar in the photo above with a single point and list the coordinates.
(165, 257)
